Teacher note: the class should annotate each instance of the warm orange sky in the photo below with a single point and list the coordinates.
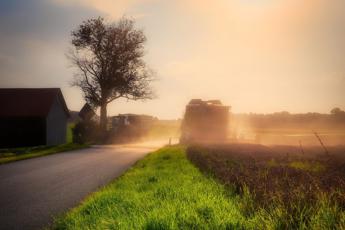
(255, 55)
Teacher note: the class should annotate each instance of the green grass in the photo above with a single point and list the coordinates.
(308, 166)
(162, 191)
(16, 154)
(166, 191)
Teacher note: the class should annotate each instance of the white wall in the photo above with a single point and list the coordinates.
(56, 124)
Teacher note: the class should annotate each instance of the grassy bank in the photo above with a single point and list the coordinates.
(162, 191)
(16, 154)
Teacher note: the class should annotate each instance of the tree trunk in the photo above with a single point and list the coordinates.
(104, 120)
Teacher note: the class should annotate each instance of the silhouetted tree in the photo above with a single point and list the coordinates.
(109, 58)
(337, 111)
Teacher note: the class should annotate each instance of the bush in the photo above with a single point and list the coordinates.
(86, 132)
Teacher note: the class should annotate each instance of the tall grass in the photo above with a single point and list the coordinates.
(279, 190)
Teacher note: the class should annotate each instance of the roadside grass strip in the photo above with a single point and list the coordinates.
(17, 154)
(162, 191)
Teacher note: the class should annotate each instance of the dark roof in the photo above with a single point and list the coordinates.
(87, 112)
(29, 102)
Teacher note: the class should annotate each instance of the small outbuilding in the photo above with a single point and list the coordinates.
(31, 117)
(86, 113)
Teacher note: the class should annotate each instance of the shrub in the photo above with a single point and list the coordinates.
(86, 132)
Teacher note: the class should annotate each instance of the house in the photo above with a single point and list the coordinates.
(87, 113)
(31, 117)
(205, 121)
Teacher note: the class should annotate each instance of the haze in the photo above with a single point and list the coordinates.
(255, 55)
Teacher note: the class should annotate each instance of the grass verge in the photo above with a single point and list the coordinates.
(16, 154)
(162, 191)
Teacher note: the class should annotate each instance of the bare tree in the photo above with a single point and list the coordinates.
(109, 58)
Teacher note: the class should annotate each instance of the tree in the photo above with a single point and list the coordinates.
(337, 111)
(109, 58)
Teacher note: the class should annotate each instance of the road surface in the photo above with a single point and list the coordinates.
(33, 191)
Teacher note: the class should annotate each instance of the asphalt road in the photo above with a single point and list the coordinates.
(34, 191)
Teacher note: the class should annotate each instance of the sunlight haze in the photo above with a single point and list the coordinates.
(257, 56)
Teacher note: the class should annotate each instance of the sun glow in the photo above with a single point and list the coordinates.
(277, 52)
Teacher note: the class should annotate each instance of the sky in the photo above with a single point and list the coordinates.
(257, 56)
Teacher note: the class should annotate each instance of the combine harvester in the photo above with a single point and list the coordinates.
(205, 122)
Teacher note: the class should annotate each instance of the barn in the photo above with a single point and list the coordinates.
(31, 117)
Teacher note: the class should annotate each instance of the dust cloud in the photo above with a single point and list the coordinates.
(284, 128)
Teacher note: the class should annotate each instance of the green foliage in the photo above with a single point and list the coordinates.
(69, 136)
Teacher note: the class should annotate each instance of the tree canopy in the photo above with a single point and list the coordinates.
(109, 58)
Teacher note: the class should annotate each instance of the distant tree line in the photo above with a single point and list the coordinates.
(334, 120)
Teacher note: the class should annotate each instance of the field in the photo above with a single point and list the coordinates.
(292, 136)
(289, 188)
(227, 190)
